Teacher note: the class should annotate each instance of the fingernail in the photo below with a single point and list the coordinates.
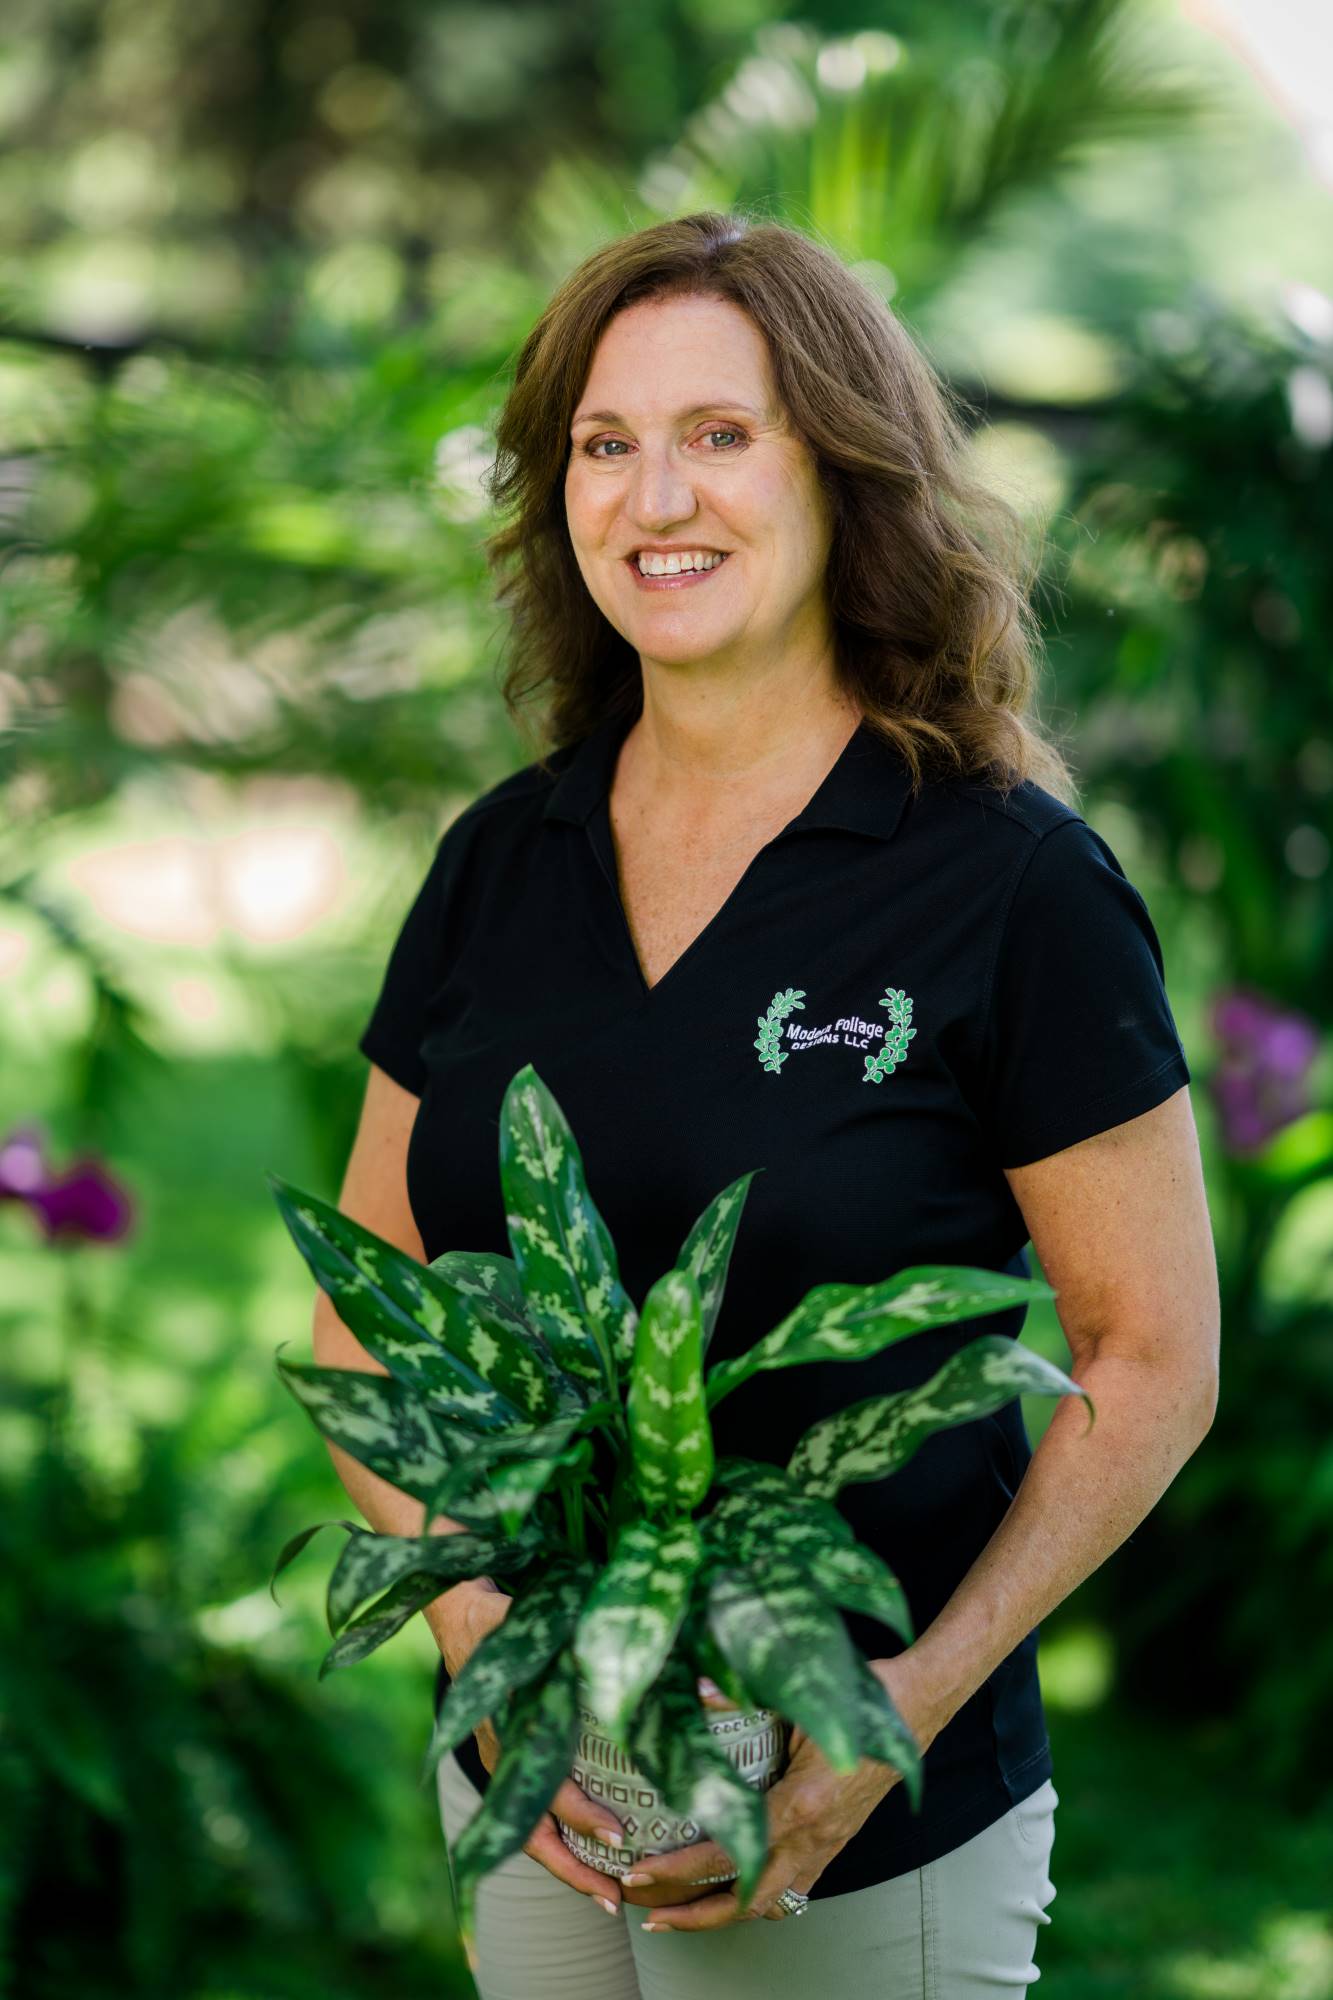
(612, 1909)
(654, 1927)
(614, 1836)
(706, 1686)
(638, 1880)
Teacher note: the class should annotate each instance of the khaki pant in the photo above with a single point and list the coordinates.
(962, 1928)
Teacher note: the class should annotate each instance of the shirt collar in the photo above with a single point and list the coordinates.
(865, 791)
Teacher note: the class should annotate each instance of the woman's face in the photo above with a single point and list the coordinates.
(677, 439)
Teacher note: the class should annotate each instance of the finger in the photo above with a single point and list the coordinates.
(681, 1867)
(710, 1911)
(545, 1845)
(666, 1892)
(707, 1913)
(572, 1804)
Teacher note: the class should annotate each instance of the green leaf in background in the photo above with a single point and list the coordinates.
(706, 1251)
(884, 1733)
(874, 1437)
(371, 1563)
(670, 1435)
(853, 1322)
(537, 1739)
(537, 1624)
(562, 1247)
(463, 1355)
(633, 1614)
(791, 1647)
(672, 1745)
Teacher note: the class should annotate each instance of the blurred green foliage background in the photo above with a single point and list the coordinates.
(263, 270)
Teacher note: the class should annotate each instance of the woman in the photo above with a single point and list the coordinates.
(787, 656)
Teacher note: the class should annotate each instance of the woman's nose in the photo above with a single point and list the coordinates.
(659, 493)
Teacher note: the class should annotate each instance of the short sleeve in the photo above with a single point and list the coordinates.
(1079, 1031)
(392, 1036)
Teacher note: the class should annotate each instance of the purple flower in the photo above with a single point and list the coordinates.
(84, 1202)
(1261, 1081)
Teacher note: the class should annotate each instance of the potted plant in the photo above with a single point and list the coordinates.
(568, 1434)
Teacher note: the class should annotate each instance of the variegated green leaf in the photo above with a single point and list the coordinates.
(633, 1614)
(370, 1628)
(494, 1292)
(378, 1421)
(822, 1542)
(483, 1274)
(872, 1438)
(538, 1622)
(671, 1439)
(499, 1479)
(858, 1580)
(753, 1488)
(706, 1251)
(537, 1739)
(853, 1322)
(696, 1642)
(789, 1645)
(670, 1742)
(884, 1733)
(464, 1354)
(293, 1548)
(562, 1247)
(371, 1563)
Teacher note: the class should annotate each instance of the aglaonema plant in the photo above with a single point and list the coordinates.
(568, 1435)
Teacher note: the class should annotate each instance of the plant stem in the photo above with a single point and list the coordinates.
(574, 1528)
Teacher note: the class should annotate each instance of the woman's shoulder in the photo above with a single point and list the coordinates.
(1007, 821)
(520, 796)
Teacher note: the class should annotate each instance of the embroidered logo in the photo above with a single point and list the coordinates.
(770, 1027)
(851, 1031)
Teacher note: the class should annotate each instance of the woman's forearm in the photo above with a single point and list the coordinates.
(1084, 1491)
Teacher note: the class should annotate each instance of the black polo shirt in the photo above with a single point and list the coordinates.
(898, 999)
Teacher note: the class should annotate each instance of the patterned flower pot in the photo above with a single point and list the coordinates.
(755, 1741)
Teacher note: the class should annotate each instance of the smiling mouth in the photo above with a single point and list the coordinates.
(674, 579)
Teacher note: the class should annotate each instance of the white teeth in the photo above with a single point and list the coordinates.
(673, 565)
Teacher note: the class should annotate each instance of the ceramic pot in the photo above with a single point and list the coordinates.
(754, 1740)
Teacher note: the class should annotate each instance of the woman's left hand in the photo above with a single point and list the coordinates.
(813, 1811)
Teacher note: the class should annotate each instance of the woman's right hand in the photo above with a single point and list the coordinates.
(478, 1611)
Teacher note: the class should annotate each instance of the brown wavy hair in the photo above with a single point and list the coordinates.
(928, 577)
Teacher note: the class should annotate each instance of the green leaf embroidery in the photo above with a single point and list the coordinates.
(767, 1041)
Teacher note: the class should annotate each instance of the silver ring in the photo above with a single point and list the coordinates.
(793, 1902)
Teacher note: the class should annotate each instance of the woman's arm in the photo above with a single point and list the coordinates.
(1120, 1224)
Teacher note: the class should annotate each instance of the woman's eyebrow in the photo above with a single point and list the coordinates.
(682, 416)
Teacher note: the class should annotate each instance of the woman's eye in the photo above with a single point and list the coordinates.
(593, 450)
